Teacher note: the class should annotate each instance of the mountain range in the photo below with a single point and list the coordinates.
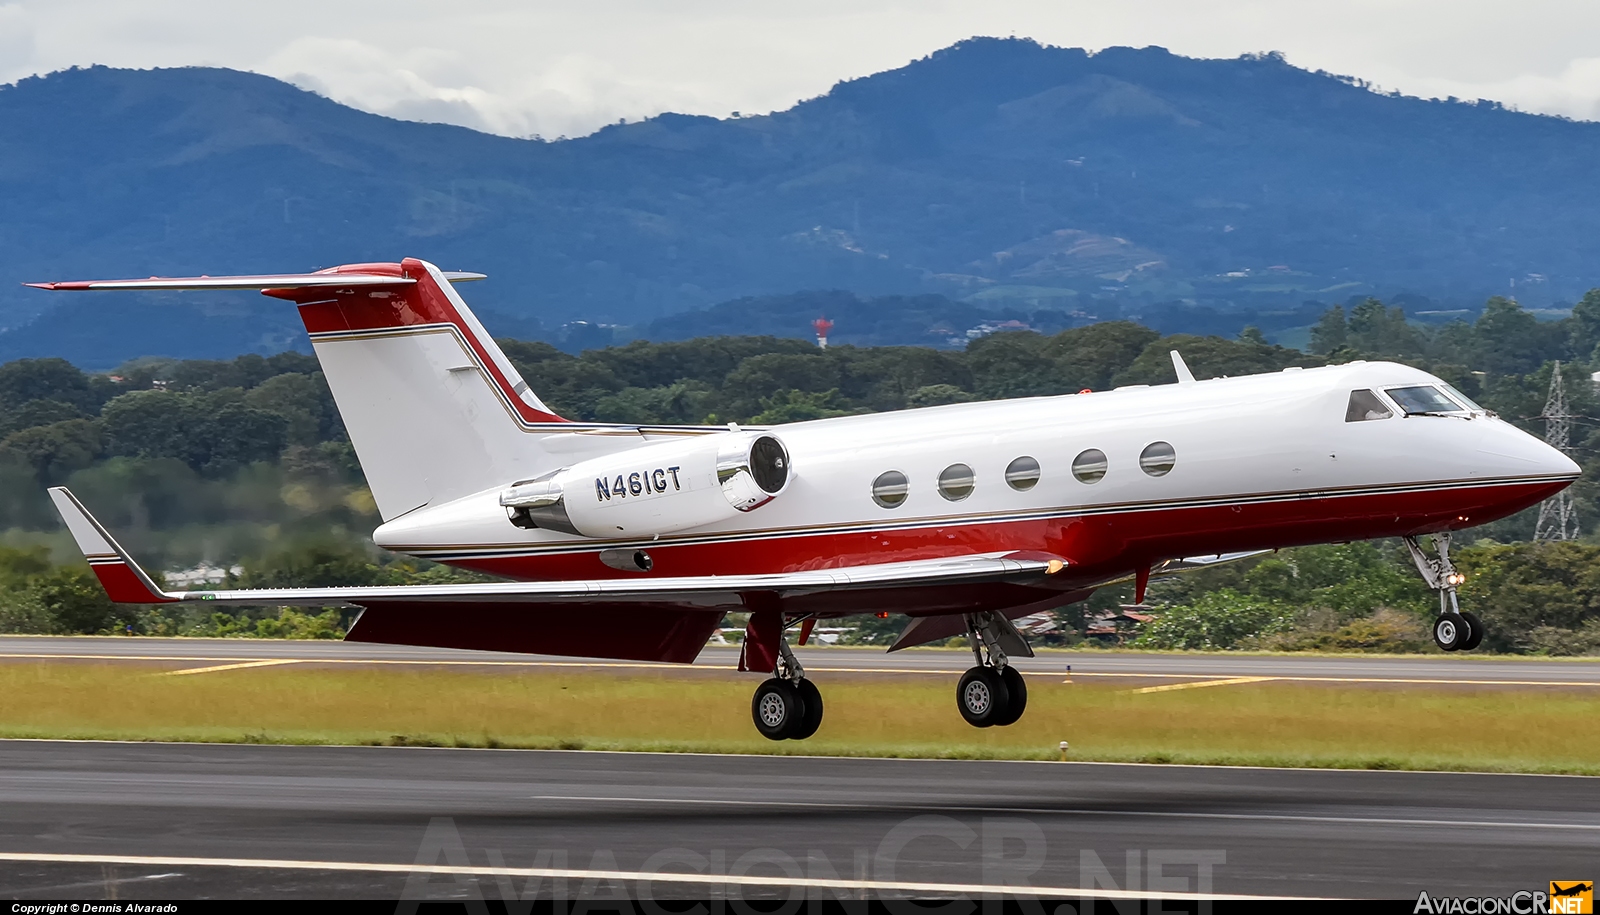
(998, 174)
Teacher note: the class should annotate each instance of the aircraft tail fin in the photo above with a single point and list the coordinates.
(433, 407)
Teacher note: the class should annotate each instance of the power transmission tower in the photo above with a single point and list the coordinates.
(1558, 516)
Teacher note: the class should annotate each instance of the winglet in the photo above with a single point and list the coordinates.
(1184, 375)
(123, 580)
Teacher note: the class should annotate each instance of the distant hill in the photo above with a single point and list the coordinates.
(997, 173)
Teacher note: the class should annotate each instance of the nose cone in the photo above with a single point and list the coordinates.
(1510, 452)
(1560, 463)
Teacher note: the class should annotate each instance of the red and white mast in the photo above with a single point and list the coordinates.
(822, 325)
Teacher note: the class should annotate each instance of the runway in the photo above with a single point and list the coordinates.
(239, 821)
(1090, 665)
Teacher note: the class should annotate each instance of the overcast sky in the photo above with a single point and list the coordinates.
(520, 67)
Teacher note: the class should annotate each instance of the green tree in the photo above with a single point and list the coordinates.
(45, 379)
(315, 564)
(1330, 333)
(215, 433)
(56, 450)
(1510, 341)
(1216, 620)
(935, 395)
(1583, 328)
(1518, 588)
(1013, 364)
(302, 401)
(1090, 357)
(1209, 357)
(797, 406)
(684, 402)
(1378, 331)
(758, 379)
(37, 413)
(74, 598)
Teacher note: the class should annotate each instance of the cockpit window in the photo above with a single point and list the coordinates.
(1365, 405)
(1423, 399)
(1462, 399)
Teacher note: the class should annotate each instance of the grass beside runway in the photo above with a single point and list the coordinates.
(1266, 723)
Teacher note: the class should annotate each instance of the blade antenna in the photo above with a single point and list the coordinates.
(1184, 375)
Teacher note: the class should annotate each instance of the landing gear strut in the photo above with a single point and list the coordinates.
(993, 692)
(1454, 629)
(788, 706)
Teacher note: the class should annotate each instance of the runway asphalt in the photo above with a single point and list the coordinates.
(823, 661)
(235, 821)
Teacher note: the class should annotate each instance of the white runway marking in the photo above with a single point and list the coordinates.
(899, 886)
(1067, 811)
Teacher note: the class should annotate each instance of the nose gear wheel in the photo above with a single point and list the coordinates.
(1453, 629)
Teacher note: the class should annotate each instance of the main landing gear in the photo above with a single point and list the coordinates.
(993, 692)
(788, 706)
(1454, 629)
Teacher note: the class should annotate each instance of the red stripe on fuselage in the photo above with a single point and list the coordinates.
(398, 306)
(1099, 547)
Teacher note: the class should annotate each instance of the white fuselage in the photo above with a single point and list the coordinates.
(1254, 440)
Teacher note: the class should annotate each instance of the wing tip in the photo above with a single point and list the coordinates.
(122, 579)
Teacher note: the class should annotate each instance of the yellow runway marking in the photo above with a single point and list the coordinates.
(206, 670)
(231, 661)
(903, 886)
(1200, 684)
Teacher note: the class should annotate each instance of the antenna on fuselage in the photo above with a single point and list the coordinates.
(1558, 516)
(1184, 375)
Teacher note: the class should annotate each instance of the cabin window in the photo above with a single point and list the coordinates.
(890, 488)
(1089, 466)
(1424, 398)
(1157, 459)
(1022, 473)
(1365, 405)
(956, 482)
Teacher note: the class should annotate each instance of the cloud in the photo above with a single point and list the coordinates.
(16, 42)
(552, 67)
(1574, 92)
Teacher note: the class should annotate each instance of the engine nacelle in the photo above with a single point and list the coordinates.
(656, 489)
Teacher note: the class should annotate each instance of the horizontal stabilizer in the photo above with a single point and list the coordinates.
(271, 281)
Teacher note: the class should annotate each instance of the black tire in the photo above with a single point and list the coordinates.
(777, 708)
(1475, 634)
(811, 699)
(1016, 694)
(1450, 631)
(982, 697)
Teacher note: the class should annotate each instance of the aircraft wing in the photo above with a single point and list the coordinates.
(623, 617)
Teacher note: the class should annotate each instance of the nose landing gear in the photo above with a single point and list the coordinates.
(1454, 629)
(788, 706)
(992, 693)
